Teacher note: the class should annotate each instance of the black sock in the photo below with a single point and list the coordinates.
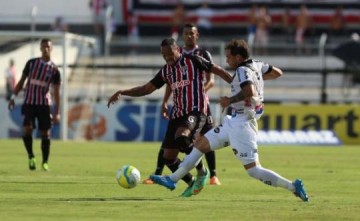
(210, 159)
(199, 166)
(160, 162)
(45, 147)
(188, 178)
(28, 141)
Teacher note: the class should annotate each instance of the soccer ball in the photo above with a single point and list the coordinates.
(128, 176)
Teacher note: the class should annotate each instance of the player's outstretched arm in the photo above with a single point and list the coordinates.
(132, 92)
(221, 72)
(273, 74)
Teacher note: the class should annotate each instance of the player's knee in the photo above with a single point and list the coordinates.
(203, 144)
(254, 172)
(184, 143)
(169, 161)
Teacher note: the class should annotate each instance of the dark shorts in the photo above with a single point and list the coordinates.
(194, 121)
(209, 124)
(40, 112)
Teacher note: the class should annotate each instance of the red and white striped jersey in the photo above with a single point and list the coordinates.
(40, 75)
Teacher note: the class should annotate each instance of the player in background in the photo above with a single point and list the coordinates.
(40, 73)
(240, 129)
(190, 37)
(184, 75)
(10, 79)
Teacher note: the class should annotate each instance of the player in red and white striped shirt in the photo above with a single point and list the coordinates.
(40, 73)
(190, 37)
(184, 75)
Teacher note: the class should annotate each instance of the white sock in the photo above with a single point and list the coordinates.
(269, 177)
(188, 163)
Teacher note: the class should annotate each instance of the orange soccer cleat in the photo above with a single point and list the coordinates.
(148, 181)
(214, 181)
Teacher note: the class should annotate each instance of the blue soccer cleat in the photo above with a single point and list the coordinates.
(164, 181)
(300, 190)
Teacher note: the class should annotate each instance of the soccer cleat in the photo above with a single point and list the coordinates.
(214, 181)
(200, 182)
(148, 181)
(188, 191)
(300, 190)
(163, 181)
(32, 164)
(45, 167)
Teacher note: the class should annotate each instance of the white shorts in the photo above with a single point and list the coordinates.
(240, 133)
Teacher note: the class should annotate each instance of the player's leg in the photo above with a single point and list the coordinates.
(214, 139)
(185, 136)
(210, 156)
(44, 119)
(185, 130)
(160, 164)
(244, 145)
(28, 124)
(171, 149)
(272, 178)
(211, 162)
(173, 162)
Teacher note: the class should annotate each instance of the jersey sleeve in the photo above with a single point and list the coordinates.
(243, 76)
(202, 63)
(207, 56)
(26, 70)
(57, 77)
(266, 68)
(158, 81)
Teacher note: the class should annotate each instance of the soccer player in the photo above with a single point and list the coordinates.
(190, 37)
(10, 79)
(41, 73)
(240, 129)
(184, 75)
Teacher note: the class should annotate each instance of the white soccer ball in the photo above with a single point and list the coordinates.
(128, 176)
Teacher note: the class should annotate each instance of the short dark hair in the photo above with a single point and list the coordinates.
(190, 25)
(168, 42)
(238, 47)
(43, 40)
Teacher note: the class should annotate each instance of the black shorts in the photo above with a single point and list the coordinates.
(209, 124)
(40, 112)
(194, 121)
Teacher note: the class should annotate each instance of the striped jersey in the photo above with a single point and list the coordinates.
(40, 75)
(199, 52)
(250, 72)
(186, 81)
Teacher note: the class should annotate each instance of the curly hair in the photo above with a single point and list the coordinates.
(238, 47)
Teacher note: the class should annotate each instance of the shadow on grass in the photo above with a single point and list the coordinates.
(102, 199)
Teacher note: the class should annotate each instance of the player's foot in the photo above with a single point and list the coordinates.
(32, 164)
(45, 167)
(214, 181)
(300, 190)
(148, 181)
(188, 191)
(163, 181)
(200, 182)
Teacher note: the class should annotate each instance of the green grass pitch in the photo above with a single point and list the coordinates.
(81, 185)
